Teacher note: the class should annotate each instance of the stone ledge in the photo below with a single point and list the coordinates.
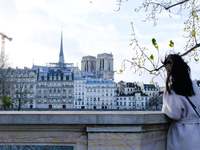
(85, 130)
(83, 117)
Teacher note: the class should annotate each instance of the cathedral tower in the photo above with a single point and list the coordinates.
(104, 66)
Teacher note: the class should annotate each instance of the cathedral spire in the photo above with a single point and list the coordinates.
(61, 56)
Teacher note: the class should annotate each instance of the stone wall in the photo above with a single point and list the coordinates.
(85, 130)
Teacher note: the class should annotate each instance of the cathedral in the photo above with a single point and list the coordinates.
(101, 67)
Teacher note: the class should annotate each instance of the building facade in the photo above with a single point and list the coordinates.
(54, 89)
(136, 100)
(127, 87)
(150, 89)
(93, 93)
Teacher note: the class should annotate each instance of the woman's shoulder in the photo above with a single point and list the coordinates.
(195, 88)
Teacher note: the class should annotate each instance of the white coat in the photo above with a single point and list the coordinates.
(184, 132)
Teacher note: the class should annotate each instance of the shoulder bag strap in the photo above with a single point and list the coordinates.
(193, 106)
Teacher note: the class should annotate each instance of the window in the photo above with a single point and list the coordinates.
(124, 103)
(129, 103)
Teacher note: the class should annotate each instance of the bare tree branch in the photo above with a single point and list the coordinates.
(167, 8)
(191, 49)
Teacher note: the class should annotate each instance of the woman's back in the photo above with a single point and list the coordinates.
(184, 133)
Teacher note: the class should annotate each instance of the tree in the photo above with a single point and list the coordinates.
(155, 102)
(6, 101)
(6, 85)
(22, 90)
(191, 33)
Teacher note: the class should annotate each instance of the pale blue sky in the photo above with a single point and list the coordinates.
(89, 27)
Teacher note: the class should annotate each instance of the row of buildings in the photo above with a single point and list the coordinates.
(64, 86)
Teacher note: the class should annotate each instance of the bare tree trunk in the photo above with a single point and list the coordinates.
(19, 105)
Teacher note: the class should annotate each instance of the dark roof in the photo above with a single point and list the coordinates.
(150, 87)
(133, 94)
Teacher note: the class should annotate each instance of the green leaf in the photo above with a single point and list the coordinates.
(151, 56)
(154, 42)
(171, 43)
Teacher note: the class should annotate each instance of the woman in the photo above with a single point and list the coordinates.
(184, 132)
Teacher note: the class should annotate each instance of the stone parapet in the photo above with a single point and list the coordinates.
(85, 130)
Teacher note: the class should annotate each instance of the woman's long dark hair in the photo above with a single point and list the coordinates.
(178, 76)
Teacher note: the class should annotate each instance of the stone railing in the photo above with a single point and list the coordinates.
(84, 130)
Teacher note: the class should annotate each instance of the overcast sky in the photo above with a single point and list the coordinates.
(90, 27)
